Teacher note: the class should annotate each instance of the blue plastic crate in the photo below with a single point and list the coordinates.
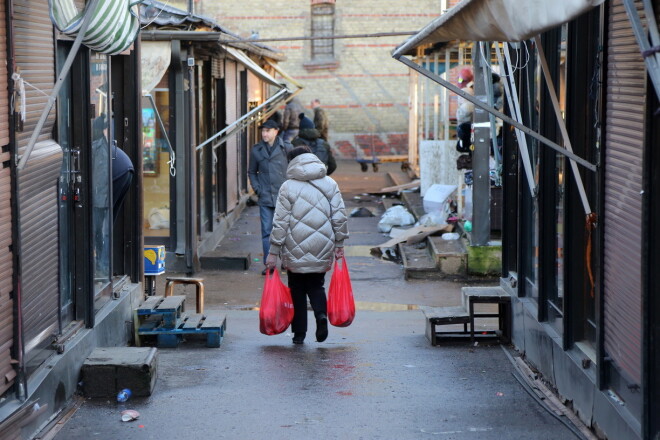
(154, 260)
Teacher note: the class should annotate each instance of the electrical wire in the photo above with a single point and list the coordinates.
(515, 66)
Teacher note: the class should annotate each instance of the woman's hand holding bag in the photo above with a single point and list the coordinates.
(341, 305)
(276, 312)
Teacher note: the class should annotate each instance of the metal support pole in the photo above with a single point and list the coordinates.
(58, 84)
(480, 158)
(498, 114)
(562, 124)
(179, 145)
(652, 61)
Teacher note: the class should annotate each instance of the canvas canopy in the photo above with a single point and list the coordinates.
(497, 20)
(252, 66)
(113, 26)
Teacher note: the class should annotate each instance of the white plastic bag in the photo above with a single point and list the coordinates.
(395, 216)
(159, 218)
(434, 218)
(436, 196)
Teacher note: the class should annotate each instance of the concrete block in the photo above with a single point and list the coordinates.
(450, 256)
(108, 370)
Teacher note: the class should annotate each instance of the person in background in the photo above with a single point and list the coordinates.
(290, 119)
(267, 172)
(320, 119)
(464, 112)
(309, 229)
(277, 117)
(122, 176)
(310, 136)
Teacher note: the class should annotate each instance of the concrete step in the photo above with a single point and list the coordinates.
(418, 263)
(221, 260)
(483, 294)
(450, 256)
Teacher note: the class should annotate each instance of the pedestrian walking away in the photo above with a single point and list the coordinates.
(310, 136)
(267, 172)
(290, 121)
(309, 229)
(320, 119)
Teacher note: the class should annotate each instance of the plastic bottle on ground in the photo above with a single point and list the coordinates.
(123, 395)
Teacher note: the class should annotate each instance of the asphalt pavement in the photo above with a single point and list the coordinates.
(377, 379)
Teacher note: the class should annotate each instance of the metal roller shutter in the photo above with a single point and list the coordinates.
(37, 182)
(7, 372)
(624, 137)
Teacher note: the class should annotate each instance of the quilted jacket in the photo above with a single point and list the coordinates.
(310, 218)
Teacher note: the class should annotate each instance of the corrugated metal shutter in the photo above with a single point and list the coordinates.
(37, 182)
(624, 142)
(7, 372)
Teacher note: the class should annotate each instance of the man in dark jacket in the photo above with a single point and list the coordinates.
(290, 124)
(310, 136)
(267, 172)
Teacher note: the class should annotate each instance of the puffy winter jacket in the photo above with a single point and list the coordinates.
(310, 218)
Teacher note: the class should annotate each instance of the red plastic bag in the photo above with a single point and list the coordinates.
(341, 305)
(276, 312)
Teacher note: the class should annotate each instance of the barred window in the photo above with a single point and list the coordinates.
(323, 25)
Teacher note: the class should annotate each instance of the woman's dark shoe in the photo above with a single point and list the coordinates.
(298, 338)
(321, 328)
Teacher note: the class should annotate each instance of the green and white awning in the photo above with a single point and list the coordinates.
(113, 27)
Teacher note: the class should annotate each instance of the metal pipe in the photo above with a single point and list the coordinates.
(497, 113)
(328, 37)
(237, 123)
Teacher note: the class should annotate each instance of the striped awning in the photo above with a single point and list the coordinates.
(113, 27)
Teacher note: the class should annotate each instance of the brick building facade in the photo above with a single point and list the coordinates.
(363, 90)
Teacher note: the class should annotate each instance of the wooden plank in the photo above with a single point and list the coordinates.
(171, 303)
(397, 188)
(440, 313)
(192, 322)
(215, 321)
(150, 303)
(149, 324)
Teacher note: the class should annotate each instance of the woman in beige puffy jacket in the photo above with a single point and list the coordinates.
(309, 229)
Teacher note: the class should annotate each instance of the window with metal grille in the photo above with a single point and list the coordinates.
(323, 25)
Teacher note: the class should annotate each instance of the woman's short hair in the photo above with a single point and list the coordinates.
(297, 151)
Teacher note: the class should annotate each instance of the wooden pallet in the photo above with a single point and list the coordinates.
(170, 309)
(212, 327)
(164, 318)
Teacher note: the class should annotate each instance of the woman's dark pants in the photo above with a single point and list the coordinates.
(303, 285)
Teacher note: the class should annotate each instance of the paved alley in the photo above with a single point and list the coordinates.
(377, 379)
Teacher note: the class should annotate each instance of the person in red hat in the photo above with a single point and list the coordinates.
(464, 77)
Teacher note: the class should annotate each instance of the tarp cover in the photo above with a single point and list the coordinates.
(497, 20)
(114, 23)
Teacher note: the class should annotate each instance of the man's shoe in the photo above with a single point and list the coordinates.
(298, 338)
(321, 328)
(265, 271)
